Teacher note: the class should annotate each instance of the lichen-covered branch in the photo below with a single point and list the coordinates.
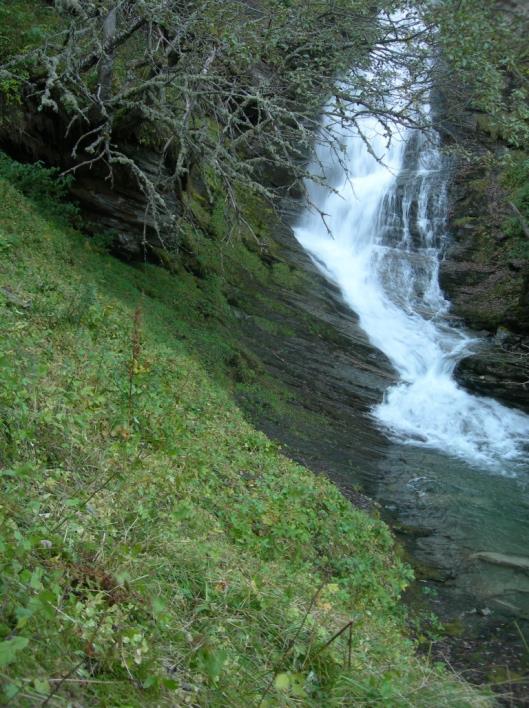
(234, 88)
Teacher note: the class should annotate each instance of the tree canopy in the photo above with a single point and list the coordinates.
(238, 87)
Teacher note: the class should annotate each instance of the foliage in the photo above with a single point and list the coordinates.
(233, 88)
(24, 24)
(41, 184)
(486, 63)
(516, 184)
(157, 550)
(32, 19)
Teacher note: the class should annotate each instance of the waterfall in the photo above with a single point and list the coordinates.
(380, 241)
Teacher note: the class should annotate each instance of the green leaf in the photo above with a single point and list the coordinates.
(41, 686)
(23, 614)
(11, 690)
(212, 661)
(150, 681)
(171, 684)
(10, 648)
(48, 596)
(35, 581)
(298, 686)
(282, 682)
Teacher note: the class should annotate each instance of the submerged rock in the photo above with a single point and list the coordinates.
(516, 562)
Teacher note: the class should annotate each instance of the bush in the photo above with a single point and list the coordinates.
(43, 185)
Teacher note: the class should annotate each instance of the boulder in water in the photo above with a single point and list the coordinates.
(516, 562)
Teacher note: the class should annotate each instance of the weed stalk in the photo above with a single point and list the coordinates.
(134, 360)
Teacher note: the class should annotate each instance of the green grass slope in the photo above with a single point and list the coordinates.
(155, 549)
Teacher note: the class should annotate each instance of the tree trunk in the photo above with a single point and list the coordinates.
(106, 65)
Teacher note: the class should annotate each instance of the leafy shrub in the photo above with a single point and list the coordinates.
(24, 24)
(43, 185)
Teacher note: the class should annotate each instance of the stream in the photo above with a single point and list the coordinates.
(456, 470)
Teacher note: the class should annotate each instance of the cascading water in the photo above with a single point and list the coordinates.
(380, 241)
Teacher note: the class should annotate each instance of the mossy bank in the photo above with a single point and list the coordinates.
(157, 549)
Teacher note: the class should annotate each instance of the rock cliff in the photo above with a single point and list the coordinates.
(485, 268)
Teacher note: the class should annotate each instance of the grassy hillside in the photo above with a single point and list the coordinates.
(155, 548)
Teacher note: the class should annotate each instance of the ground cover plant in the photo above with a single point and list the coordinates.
(155, 548)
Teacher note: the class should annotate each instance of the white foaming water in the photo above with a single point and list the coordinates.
(379, 242)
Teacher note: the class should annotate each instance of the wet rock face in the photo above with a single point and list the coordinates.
(115, 204)
(486, 289)
(120, 205)
(487, 286)
(485, 283)
(319, 355)
(499, 372)
(490, 294)
(516, 562)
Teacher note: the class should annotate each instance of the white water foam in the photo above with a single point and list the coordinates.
(380, 243)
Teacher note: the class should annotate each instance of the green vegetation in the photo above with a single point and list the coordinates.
(32, 20)
(24, 25)
(156, 549)
(234, 89)
(516, 183)
(484, 46)
(486, 56)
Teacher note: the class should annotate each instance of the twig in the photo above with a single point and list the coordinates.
(76, 666)
(81, 680)
(348, 626)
